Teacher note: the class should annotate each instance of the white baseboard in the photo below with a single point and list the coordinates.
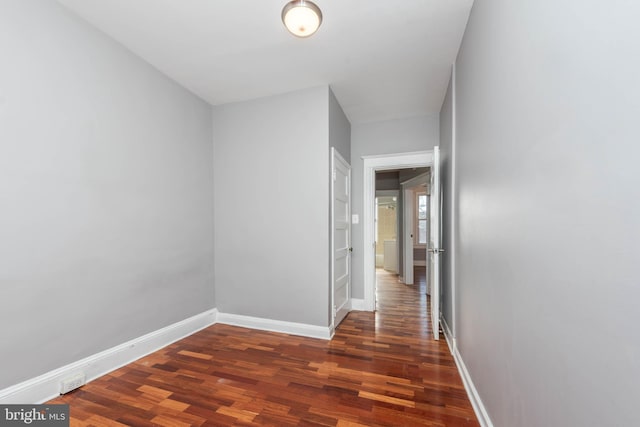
(472, 392)
(292, 328)
(357, 304)
(448, 336)
(47, 386)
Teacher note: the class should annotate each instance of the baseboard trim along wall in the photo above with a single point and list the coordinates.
(448, 336)
(292, 328)
(472, 392)
(47, 386)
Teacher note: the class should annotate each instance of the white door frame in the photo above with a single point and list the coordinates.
(372, 164)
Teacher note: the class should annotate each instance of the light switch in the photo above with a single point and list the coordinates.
(355, 219)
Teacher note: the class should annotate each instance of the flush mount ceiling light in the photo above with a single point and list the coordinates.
(302, 18)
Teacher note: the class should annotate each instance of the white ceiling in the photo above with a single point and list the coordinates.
(384, 59)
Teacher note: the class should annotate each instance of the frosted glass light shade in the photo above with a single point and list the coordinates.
(302, 18)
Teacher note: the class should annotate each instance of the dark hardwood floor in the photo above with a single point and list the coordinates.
(380, 369)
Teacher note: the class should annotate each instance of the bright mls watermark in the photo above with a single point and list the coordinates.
(34, 415)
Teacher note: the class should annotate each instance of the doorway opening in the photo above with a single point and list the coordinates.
(401, 231)
(380, 164)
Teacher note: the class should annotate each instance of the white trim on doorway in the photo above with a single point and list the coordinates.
(371, 165)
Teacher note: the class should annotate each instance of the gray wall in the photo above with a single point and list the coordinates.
(387, 181)
(339, 128)
(387, 137)
(271, 218)
(446, 180)
(407, 174)
(106, 193)
(549, 213)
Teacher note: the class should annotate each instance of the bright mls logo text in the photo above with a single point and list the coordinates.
(35, 414)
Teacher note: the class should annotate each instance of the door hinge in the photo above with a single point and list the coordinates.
(335, 175)
(334, 311)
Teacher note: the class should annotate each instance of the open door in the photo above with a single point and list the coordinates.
(340, 237)
(434, 243)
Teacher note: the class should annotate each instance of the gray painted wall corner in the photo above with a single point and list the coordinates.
(106, 177)
(339, 128)
(271, 223)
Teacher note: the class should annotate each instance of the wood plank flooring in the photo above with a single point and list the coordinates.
(380, 369)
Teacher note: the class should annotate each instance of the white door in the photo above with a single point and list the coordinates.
(434, 243)
(340, 237)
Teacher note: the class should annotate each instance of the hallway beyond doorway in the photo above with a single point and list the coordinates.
(404, 303)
